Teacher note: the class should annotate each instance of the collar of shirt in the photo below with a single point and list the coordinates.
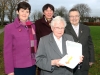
(76, 29)
(45, 19)
(77, 26)
(58, 42)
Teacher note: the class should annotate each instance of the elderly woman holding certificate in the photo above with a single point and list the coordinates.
(52, 48)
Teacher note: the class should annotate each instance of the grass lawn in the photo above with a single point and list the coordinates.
(1, 55)
(1, 27)
(94, 70)
(95, 33)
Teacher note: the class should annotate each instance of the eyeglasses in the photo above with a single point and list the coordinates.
(58, 28)
(77, 16)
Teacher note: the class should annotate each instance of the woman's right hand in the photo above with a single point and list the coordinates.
(56, 62)
(11, 73)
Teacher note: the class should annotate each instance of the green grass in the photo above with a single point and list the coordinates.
(1, 55)
(1, 27)
(94, 70)
(95, 33)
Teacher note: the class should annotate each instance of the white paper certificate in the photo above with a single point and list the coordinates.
(74, 48)
(72, 58)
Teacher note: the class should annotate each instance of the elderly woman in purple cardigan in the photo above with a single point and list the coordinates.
(20, 43)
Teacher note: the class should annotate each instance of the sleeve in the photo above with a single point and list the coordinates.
(42, 61)
(91, 49)
(8, 53)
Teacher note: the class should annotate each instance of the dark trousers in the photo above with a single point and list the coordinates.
(25, 71)
(77, 71)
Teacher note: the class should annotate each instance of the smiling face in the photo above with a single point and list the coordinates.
(74, 17)
(48, 13)
(23, 14)
(58, 29)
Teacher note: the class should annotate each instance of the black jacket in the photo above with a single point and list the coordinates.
(87, 45)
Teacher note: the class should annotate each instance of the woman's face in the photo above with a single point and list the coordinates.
(48, 13)
(23, 14)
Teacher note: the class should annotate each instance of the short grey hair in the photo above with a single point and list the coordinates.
(58, 19)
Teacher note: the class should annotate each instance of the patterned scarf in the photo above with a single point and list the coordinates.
(32, 36)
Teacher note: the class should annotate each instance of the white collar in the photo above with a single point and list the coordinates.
(77, 26)
(56, 38)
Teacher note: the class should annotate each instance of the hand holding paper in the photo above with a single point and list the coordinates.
(70, 61)
(74, 52)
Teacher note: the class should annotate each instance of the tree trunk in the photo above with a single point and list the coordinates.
(2, 18)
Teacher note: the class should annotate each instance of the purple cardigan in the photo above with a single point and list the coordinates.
(17, 53)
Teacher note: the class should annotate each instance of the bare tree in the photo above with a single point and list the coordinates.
(3, 7)
(84, 10)
(36, 15)
(12, 4)
(62, 11)
(8, 7)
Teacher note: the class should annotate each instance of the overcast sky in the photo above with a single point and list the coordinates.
(68, 4)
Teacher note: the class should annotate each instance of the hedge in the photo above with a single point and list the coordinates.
(92, 23)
